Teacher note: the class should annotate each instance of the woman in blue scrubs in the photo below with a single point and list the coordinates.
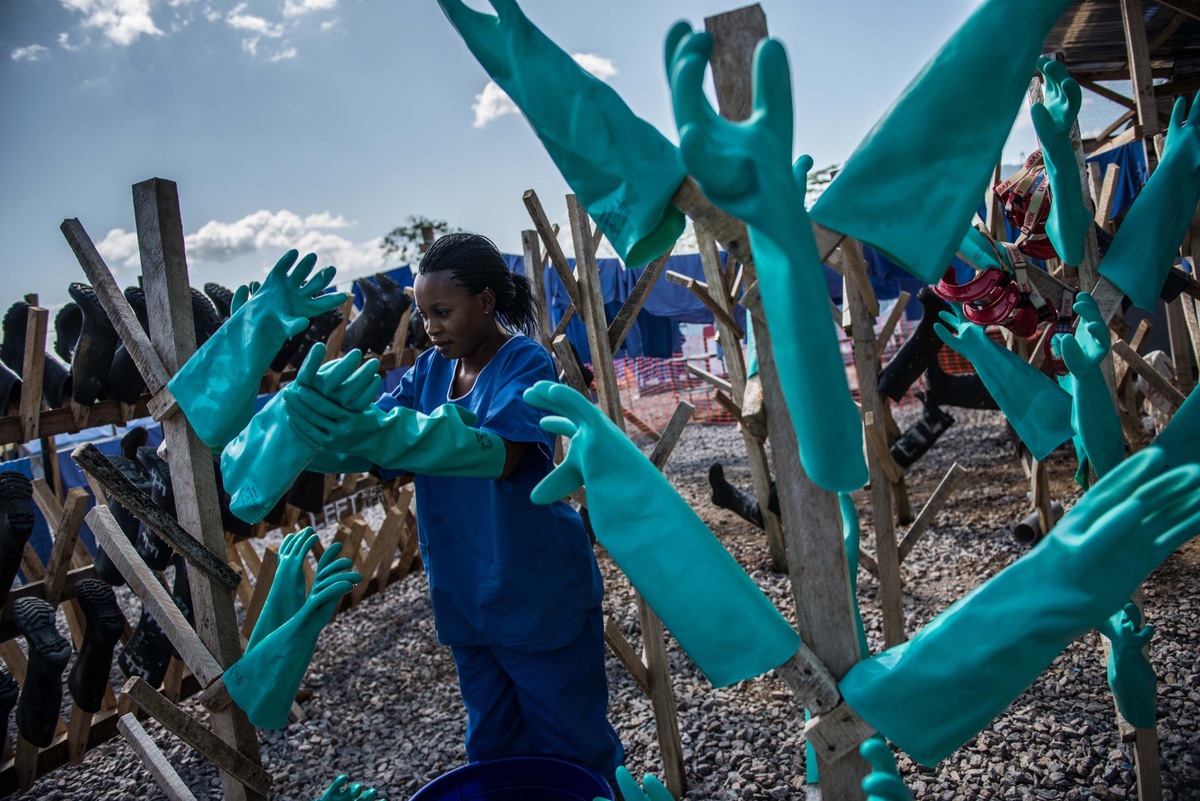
(515, 588)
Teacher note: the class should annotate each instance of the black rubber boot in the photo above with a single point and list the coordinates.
(156, 552)
(368, 327)
(125, 381)
(395, 302)
(68, 325)
(918, 352)
(920, 437)
(222, 299)
(233, 524)
(16, 524)
(89, 675)
(308, 492)
(92, 356)
(964, 390)
(727, 496)
(41, 697)
(9, 692)
(129, 524)
(204, 317)
(147, 652)
(134, 438)
(10, 389)
(318, 330)
(55, 375)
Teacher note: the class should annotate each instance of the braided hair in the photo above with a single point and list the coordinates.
(475, 263)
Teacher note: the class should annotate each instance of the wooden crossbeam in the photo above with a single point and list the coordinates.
(550, 241)
(170, 782)
(936, 501)
(31, 371)
(700, 290)
(157, 519)
(1146, 371)
(627, 316)
(716, 381)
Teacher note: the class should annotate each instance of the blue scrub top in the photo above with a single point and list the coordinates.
(503, 571)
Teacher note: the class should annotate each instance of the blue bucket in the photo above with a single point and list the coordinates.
(524, 778)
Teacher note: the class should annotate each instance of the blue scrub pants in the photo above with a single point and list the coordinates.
(552, 703)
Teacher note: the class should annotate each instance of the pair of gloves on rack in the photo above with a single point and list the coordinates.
(326, 419)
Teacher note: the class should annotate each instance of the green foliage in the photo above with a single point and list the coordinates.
(405, 241)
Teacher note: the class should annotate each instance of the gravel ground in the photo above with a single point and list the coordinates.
(384, 703)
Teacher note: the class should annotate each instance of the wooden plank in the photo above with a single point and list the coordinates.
(671, 434)
(381, 552)
(66, 534)
(837, 734)
(148, 362)
(893, 319)
(262, 586)
(1181, 346)
(640, 424)
(1152, 376)
(333, 345)
(1135, 342)
(700, 290)
(624, 652)
(563, 322)
(32, 369)
(1138, 50)
(633, 304)
(53, 422)
(198, 736)
(571, 369)
(170, 782)
(727, 403)
(810, 681)
(159, 520)
(592, 311)
(1108, 192)
(158, 601)
(716, 381)
(77, 734)
(550, 241)
(883, 469)
(936, 501)
(812, 518)
(537, 283)
(1147, 764)
(867, 562)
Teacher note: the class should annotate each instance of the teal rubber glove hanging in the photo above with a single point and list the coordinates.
(751, 348)
(654, 789)
(719, 616)
(263, 461)
(1038, 409)
(263, 683)
(912, 186)
(622, 169)
(1069, 220)
(746, 168)
(1178, 440)
(288, 588)
(342, 790)
(1093, 417)
(1130, 676)
(936, 691)
(1142, 252)
(438, 444)
(852, 536)
(216, 388)
(883, 783)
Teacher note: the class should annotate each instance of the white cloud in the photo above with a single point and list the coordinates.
(298, 8)
(212, 14)
(239, 20)
(120, 249)
(64, 41)
(284, 54)
(122, 22)
(31, 53)
(493, 103)
(250, 46)
(327, 220)
(328, 24)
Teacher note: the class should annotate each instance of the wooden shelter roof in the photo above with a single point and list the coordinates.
(1092, 37)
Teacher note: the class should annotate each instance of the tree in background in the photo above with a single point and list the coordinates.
(406, 241)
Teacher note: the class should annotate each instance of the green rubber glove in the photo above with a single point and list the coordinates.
(852, 536)
(1038, 409)
(883, 783)
(342, 790)
(654, 789)
(1069, 221)
(912, 186)
(289, 586)
(746, 168)
(1130, 676)
(751, 348)
(1142, 252)
(263, 461)
(217, 387)
(936, 691)
(438, 444)
(719, 616)
(979, 250)
(263, 683)
(622, 169)
(1093, 417)
(1178, 440)
(241, 295)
